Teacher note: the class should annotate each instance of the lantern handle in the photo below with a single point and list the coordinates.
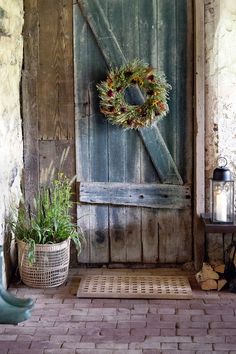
(223, 161)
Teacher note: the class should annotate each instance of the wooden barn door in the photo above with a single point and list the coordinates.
(134, 187)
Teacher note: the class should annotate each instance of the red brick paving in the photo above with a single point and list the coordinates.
(63, 324)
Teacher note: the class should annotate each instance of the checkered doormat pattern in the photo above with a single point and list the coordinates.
(134, 286)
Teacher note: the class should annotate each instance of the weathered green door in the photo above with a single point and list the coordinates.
(134, 186)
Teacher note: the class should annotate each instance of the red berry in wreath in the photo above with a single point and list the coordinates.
(150, 77)
(110, 93)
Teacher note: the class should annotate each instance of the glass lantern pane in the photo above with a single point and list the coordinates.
(223, 202)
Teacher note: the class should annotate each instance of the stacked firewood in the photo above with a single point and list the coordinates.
(211, 276)
(216, 275)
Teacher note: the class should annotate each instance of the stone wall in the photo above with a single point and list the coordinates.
(220, 79)
(11, 149)
(220, 26)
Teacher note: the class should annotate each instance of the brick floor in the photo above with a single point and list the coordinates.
(63, 324)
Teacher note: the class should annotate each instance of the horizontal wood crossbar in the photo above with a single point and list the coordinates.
(131, 194)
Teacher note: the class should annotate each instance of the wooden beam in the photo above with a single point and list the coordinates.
(55, 71)
(30, 99)
(131, 194)
(165, 165)
(199, 133)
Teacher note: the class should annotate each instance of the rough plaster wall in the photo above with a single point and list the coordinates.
(11, 149)
(220, 42)
(211, 81)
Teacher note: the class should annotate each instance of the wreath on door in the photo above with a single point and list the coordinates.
(138, 76)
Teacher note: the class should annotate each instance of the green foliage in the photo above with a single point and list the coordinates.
(50, 220)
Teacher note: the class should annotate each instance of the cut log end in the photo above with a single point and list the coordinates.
(209, 284)
(219, 268)
(206, 273)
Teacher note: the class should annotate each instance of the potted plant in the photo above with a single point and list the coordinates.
(43, 234)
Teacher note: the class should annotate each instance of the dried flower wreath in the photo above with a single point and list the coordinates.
(153, 86)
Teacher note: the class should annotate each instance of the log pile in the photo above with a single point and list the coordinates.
(217, 275)
(211, 276)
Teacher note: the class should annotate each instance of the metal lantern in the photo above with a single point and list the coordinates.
(222, 195)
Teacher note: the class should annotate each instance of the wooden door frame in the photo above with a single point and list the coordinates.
(199, 131)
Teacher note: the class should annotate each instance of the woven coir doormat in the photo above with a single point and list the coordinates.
(134, 286)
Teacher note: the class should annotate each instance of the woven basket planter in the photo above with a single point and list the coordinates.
(51, 266)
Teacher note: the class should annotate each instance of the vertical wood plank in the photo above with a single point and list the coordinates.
(181, 99)
(175, 236)
(167, 41)
(148, 43)
(117, 140)
(170, 250)
(148, 47)
(150, 235)
(51, 152)
(99, 235)
(175, 129)
(131, 33)
(82, 108)
(91, 141)
(48, 59)
(199, 129)
(29, 99)
(189, 137)
(184, 86)
(55, 74)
